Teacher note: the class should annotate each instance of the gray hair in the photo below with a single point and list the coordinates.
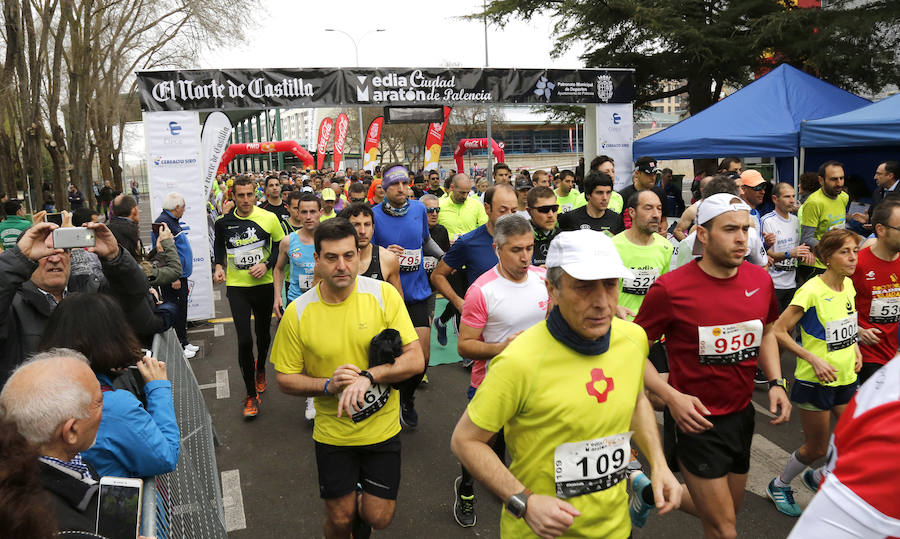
(510, 225)
(554, 276)
(429, 196)
(172, 201)
(39, 406)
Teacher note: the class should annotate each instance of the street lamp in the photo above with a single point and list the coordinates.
(362, 137)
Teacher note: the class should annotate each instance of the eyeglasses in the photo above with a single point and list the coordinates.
(357, 200)
(889, 226)
(547, 209)
(757, 188)
(433, 210)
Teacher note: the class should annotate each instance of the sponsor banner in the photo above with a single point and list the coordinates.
(325, 129)
(434, 138)
(373, 136)
(175, 164)
(340, 139)
(272, 88)
(213, 141)
(614, 138)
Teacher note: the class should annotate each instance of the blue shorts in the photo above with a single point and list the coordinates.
(818, 398)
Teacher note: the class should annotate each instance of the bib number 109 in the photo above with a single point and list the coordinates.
(602, 462)
(591, 465)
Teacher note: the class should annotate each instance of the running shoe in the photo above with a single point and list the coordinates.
(260, 382)
(467, 363)
(310, 409)
(809, 480)
(634, 464)
(193, 347)
(408, 416)
(784, 499)
(441, 331)
(463, 506)
(638, 509)
(425, 379)
(188, 353)
(251, 407)
(760, 377)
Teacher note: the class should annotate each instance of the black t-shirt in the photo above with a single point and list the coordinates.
(436, 192)
(630, 190)
(611, 223)
(284, 215)
(441, 237)
(542, 241)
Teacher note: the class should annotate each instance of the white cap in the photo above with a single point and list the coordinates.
(306, 189)
(715, 205)
(586, 255)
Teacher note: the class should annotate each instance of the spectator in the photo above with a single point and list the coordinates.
(14, 224)
(163, 265)
(56, 404)
(674, 202)
(106, 196)
(177, 292)
(35, 277)
(76, 199)
(85, 269)
(134, 191)
(23, 502)
(124, 223)
(134, 440)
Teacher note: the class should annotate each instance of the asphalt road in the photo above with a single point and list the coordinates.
(271, 462)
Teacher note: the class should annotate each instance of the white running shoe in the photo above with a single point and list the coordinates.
(188, 353)
(310, 409)
(193, 347)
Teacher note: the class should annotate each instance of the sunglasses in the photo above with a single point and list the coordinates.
(547, 209)
(357, 200)
(433, 210)
(758, 188)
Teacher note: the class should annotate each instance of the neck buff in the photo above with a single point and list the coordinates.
(392, 211)
(560, 330)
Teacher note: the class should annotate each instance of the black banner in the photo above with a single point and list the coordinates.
(233, 89)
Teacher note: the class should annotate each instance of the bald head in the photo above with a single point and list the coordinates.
(52, 399)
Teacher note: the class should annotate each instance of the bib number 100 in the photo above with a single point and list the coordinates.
(602, 465)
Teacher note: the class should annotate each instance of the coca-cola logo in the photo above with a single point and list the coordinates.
(324, 135)
(341, 133)
(474, 144)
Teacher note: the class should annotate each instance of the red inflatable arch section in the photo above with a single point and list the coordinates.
(254, 148)
(467, 144)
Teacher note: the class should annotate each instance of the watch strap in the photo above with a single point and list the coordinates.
(368, 375)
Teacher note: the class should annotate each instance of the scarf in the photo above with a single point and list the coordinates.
(560, 330)
(394, 212)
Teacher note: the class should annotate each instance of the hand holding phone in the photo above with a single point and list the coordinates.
(119, 507)
(71, 237)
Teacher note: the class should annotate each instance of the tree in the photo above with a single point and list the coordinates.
(713, 43)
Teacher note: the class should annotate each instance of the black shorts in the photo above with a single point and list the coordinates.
(419, 313)
(784, 297)
(658, 356)
(375, 467)
(867, 370)
(713, 453)
(818, 398)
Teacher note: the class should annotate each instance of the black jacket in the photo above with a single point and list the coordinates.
(74, 499)
(24, 309)
(127, 234)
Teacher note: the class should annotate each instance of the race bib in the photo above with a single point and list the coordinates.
(246, 259)
(411, 259)
(730, 343)
(375, 398)
(885, 310)
(592, 465)
(641, 282)
(785, 265)
(304, 281)
(841, 333)
(430, 263)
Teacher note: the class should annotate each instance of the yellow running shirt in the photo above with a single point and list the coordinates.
(828, 329)
(548, 397)
(316, 338)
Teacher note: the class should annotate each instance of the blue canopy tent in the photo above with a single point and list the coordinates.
(861, 138)
(761, 119)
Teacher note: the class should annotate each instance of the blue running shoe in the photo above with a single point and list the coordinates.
(784, 499)
(638, 509)
(809, 481)
(441, 331)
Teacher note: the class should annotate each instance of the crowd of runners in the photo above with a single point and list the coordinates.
(580, 311)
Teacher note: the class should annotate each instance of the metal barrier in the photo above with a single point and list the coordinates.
(186, 503)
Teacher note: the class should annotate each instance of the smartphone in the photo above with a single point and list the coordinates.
(69, 237)
(119, 507)
(156, 227)
(55, 218)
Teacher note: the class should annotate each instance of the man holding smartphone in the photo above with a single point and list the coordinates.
(177, 293)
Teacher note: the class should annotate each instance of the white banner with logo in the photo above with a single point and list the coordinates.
(214, 140)
(175, 164)
(614, 136)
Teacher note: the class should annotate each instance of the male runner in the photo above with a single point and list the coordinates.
(275, 203)
(606, 165)
(329, 197)
(786, 249)
(567, 196)
(543, 211)
(401, 226)
(501, 173)
(540, 178)
(461, 213)
(713, 354)
(506, 300)
(322, 350)
(246, 243)
(645, 171)
(877, 284)
(568, 413)
(823, 210)
(522, 186)
(375, 261)
(595, 215)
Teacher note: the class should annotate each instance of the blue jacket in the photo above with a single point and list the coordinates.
(182, 245)
(132, 441)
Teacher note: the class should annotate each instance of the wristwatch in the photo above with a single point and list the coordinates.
(778, 382)
(787, 255)
(517, 504)
(368, 375)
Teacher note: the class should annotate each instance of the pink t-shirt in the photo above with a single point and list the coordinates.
(501, 308)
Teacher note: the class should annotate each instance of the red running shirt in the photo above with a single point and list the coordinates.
(713, 330)
(878, 280)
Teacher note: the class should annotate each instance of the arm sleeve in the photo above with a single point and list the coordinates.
(431, 248)
(808, 236)
(219, 243)
(655, 314)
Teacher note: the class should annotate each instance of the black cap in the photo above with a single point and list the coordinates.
(646, 164)
(523, 183)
